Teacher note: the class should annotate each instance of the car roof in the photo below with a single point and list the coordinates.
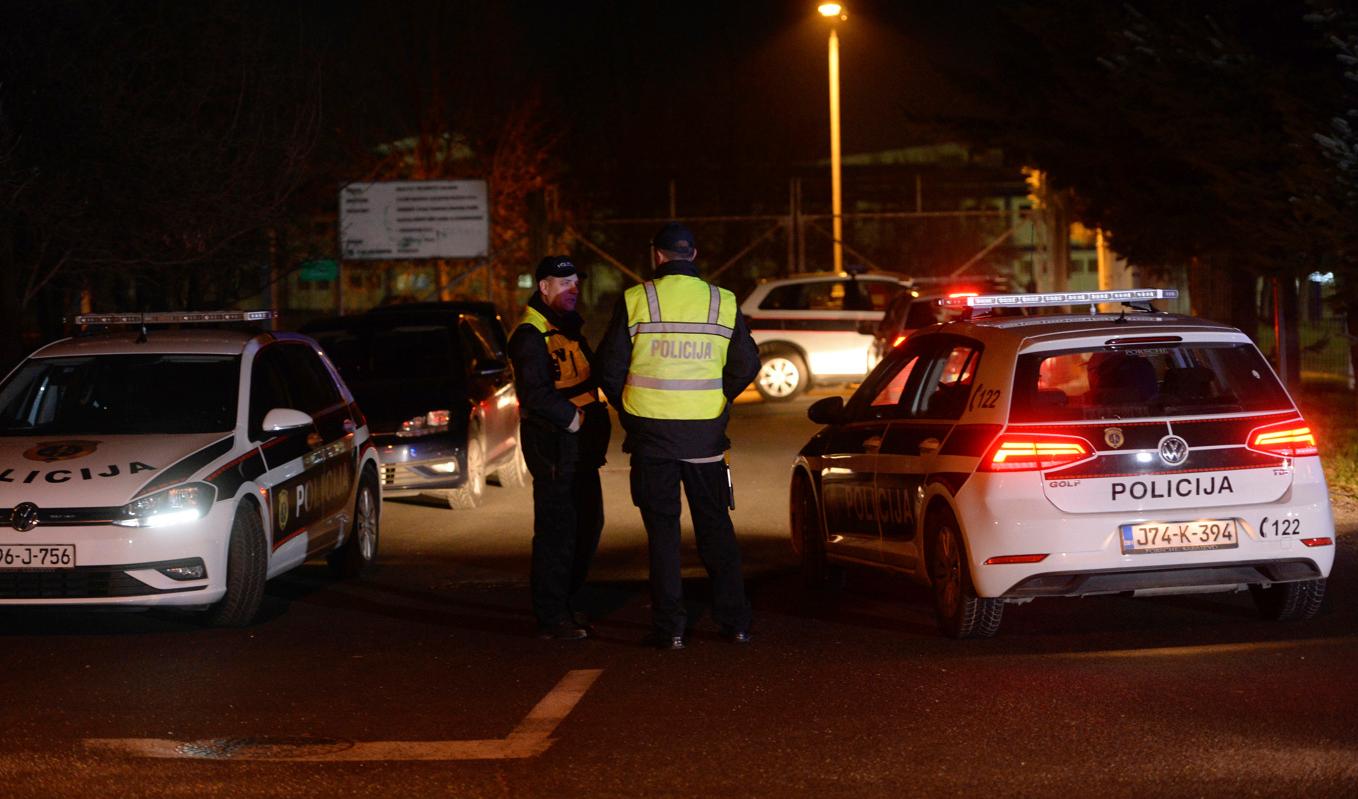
(1058, 326)
(125, 342)
(364, 321)
(807, 277)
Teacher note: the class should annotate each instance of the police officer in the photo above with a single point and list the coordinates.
(564, 431)
(675, 354)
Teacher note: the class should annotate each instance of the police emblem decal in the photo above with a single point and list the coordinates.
(24, 517)
(1113, 437)
(1173, 450)
(49, 451)
(281, 499)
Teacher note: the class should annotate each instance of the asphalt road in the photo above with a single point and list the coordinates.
(425, 679)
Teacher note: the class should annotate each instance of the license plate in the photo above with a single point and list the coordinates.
(37, 556)
(1139, 539)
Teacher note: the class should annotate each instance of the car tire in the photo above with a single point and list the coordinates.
(469, 494)
(247, 565)
(960, 612)
(514, 474)
(1297, 601)
(358, 553)
(782, 374)
(807, 538)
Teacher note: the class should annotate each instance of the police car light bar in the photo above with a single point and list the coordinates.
(1059, 298)
(173, 317)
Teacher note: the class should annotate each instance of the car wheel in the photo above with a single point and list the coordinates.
(807, 539)
(515, 473)
(359, 551)
(247, 563)
(1289, 601)
(961, 614)
(782, 375)
(469, 495)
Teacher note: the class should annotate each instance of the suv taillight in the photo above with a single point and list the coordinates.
(1022, 452)
(1289, 439)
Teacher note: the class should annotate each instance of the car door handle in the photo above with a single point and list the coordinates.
(930, 446)
(872, 444)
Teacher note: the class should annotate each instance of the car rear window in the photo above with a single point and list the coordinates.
(1176, 380)
(121, 395)
(400, 352)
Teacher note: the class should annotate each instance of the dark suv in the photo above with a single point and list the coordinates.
(435, 383)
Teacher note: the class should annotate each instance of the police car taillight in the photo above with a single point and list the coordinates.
(1289, 439)
(1016, 452)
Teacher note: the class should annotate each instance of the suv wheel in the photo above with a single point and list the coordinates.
(807, 539)
(961, 614)
(1297, 601)
(782, 374)
(469, 495)
(247, 566)
(359, 551)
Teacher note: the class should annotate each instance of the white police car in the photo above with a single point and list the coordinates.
(179, 468)
(1010, 458)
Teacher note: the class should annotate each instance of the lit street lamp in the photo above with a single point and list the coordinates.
(835, 13)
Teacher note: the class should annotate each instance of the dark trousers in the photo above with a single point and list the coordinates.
(655, 491)
(568, 516)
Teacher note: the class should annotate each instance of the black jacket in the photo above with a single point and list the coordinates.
(673, 438)
(534, 375)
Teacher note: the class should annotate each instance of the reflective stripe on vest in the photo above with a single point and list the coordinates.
(681, 327)
(570, 368)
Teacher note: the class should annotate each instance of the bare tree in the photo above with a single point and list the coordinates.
(145, 147)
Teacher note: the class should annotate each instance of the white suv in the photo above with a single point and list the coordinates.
(1005, 459)
(816, 328)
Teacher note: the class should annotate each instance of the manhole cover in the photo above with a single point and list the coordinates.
(263, 747)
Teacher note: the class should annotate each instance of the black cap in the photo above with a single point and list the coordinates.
(557, 266)
(675, 238)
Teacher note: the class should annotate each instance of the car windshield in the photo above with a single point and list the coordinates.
(121, 395)
(1177, 380)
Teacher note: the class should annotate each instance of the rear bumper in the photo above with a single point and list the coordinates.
(1007, 515)
(1173, 579)
(414, 465)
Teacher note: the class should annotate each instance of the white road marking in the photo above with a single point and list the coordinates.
(530, 738)
(1205, 649)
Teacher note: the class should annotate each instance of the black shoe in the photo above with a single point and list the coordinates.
(664, 641)
(581, 620)
(563, 631)
(734, 636)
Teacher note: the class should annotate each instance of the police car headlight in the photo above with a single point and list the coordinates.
(176, 505)
(424, 424)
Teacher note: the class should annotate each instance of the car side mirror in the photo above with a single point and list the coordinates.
(280, 419)
(868, 327)
(829, 410)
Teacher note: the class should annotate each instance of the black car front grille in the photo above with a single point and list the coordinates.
(82, 582)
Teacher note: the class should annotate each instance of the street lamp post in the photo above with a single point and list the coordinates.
(834, 12)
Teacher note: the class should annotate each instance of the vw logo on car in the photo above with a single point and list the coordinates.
(1173, 450)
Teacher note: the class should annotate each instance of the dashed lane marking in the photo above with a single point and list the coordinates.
(530, 738)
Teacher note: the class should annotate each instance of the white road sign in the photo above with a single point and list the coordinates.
(415, 219)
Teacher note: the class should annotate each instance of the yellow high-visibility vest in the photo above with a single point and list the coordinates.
(681, 327)
(570, 368)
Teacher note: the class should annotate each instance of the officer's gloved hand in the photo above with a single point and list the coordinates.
(594, 434)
